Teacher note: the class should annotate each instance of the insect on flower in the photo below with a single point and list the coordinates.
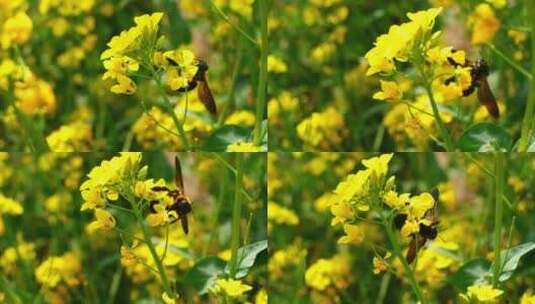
(181, 203)
(479, 73)
(427, 229)
(200, 82)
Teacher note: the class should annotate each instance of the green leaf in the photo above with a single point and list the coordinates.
(472, 271)
(203, 274)
(224, 136)
(485, 137)
(247, 256)
(511, 257)
(531, 147)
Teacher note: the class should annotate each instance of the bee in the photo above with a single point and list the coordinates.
(479, 74)
(426, 232)
(200, 82)
(181, 203)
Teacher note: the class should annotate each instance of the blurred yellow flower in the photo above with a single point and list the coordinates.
(276, 65)
(498, 3)
(230, 287)
(527, 298)
(261, 297)
(354, 235)
(484, 293)
(243, 118)
(389, 91)
(60, 269)
(322, 129)
(10, 206)
(150, 130)
(16, 30)
(243, 147)
(167, 299)
(104, 221)
(280, 215)
(72, 137)
(325, 272)
(484, 24)
(35, 96)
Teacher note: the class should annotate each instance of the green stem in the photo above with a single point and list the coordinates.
(169, 108)
(236, 217)
(231, 100)
(263, 73)
(236, 27)
(441, 126)
(383, 288)
(408, 271)
(148, 240)
(513, 64)
(527, 122)
(498, 216)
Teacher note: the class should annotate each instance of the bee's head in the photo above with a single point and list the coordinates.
(202, 65)
(481, 68)
(183, 206)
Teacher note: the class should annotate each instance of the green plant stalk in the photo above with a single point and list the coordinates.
(236, 217)
(231, 102)
(397, 252)
(263, 73)
(498, 216)
(154, 254)
(527, 122)
(511, 62)
(441, 126)
(170, 110)
(236, 27)
(34, 137)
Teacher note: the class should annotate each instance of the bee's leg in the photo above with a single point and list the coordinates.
(160, 189)
(151, 206)
(184, 222)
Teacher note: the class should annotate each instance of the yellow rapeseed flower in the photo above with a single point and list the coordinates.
(276, 65)
(354, 235)
(484, 24)
(230, 287)
(104, 221)
(484, 293)
(281, 215)
(16, 30)
(243, 147)
(60, 269)
(390, 90)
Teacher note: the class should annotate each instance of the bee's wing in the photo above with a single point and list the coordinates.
(413, 248)
(206, 97)
(432, 214)
(487, 98)
(411, 252)
(184, 222)
(178, 176)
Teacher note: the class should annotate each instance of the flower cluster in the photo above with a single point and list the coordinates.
(138, 46)
(76, 136)
(66, 269)
(332, 272)
(230, 287)
(15, 25)
(120, 58)
(10, 207)
(105, 182)
(323, 129)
